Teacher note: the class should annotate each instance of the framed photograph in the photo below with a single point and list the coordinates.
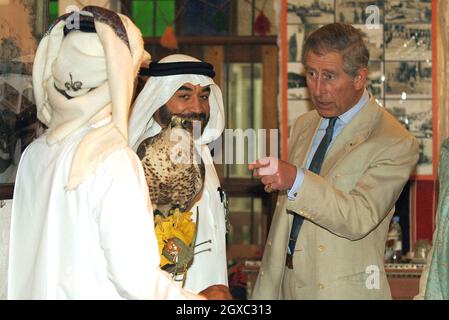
(417, 117)
(310, 11)
(376, 79)
(297, 86)
(408, 41)
(400, 67)
(354, 12)
(22, 24)
(408, 79)
(373, 37)
(408, 11)
(297, 33)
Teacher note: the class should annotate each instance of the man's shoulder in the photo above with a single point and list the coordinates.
(305, 118)
(388, 124)
(37, 148)
(308, 116)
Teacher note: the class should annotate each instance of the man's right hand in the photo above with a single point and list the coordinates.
(217, 292)
(274, 172)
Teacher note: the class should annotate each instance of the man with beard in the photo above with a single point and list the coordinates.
(182, 86)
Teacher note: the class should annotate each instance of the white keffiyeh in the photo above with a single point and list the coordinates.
(79, 77)
(158, 90)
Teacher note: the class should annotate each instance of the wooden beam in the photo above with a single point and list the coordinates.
(217, 40)
(270, 99)
(215, 56)
(270, 87)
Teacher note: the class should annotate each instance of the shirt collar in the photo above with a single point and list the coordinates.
(346, 117)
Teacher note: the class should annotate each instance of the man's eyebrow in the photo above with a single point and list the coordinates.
(324, 70)
(184, 88)
(330, 71)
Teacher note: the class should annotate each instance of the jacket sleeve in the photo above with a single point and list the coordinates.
(127, 232)
(354, 213)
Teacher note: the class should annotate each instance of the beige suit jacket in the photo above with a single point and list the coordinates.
(347, 209)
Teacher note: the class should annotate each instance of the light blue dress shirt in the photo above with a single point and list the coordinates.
(340, 124)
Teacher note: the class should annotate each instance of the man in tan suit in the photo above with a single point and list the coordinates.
(348, 162)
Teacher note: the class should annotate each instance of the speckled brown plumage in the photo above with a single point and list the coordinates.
(174, 176)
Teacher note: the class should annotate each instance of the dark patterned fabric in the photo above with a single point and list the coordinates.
(102, 15)
(110, 18)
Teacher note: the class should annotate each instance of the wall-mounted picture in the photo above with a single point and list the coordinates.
(408, 41)
(416, 116)
(296, 36)
(297, 86)
(373, 38)
(297, 108)
(408, 11)
(408, 79)
(351, 11)
(376, 78)
(310, 11)
(22, 24)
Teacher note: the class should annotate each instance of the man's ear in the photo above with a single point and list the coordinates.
(360, 78)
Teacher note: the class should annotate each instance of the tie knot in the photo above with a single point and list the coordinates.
(332, 122)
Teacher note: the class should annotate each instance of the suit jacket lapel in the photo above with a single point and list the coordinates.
(352, 135)
(299, 151)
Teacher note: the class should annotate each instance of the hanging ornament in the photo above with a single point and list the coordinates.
(262, 25)
(168, 39)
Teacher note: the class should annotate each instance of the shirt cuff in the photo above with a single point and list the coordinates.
(293, 192)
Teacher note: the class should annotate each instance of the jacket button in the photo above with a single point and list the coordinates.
(320, 285)
(321, 248)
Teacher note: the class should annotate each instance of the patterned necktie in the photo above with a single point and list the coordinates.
(315, 167)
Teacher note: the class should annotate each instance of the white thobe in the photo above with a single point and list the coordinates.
(209, 265)
(95, 242)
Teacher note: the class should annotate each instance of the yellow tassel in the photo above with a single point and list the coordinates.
(168, 39)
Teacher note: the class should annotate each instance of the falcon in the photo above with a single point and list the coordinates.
(173, 169)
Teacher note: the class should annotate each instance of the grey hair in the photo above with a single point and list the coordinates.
(342, 38)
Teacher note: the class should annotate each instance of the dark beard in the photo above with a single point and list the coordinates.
(164, 117)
